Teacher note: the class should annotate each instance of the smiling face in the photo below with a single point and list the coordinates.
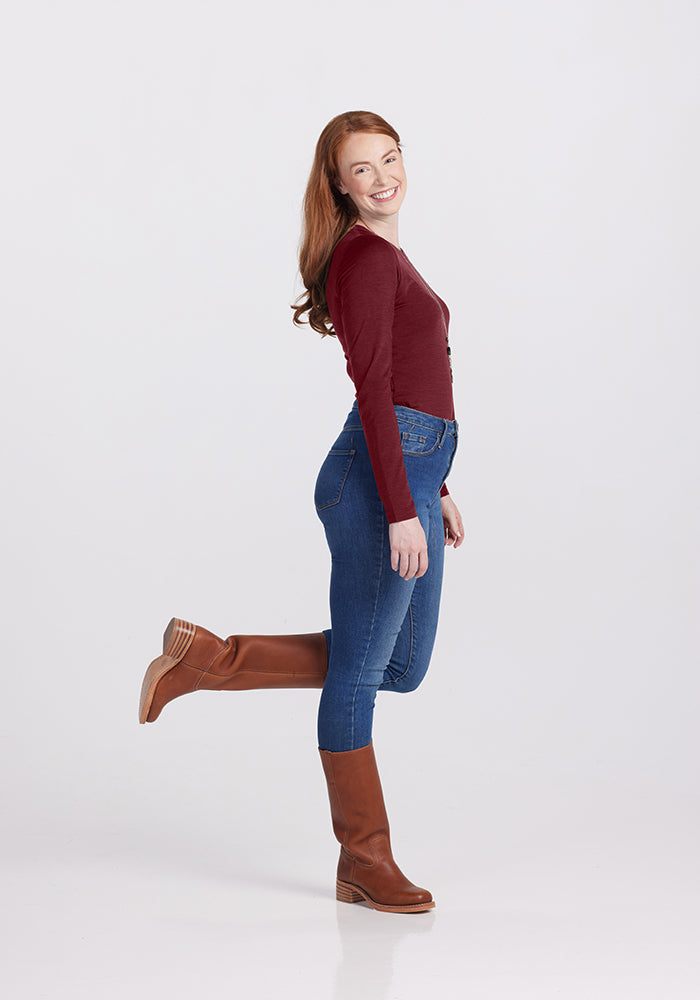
(371, 173)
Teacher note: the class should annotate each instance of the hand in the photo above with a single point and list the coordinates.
(409, 548)
(452, 522)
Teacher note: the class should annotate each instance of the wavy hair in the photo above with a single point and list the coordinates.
(328, 214)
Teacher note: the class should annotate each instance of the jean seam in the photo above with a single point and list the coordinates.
(424, 427)
(370, 634)
(421, 454)
(350, 455)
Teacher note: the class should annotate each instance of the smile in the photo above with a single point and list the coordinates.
(385, 195)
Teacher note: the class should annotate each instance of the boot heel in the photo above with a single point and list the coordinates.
(177, 638)
(346, 893)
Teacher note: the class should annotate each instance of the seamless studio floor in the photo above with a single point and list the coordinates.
(221, 884)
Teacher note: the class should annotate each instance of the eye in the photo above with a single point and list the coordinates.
(359, 171)
(390, 159)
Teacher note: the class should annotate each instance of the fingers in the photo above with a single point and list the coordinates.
(410, 560)
(413, 564)
(409, 548)
(422, 565)
(458, 531)
(454, 528)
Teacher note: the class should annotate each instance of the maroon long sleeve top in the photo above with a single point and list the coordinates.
(393, 329)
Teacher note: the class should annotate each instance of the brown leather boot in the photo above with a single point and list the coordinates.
(193, 659)
(366, 869)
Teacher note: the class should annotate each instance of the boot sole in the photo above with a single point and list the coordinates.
(177, 639)
(345, 892)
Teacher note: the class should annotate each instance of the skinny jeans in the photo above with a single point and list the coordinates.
(382, 626)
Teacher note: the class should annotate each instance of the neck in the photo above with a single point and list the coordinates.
(388, 229)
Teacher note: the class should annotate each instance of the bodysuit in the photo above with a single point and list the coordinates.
(393, 329)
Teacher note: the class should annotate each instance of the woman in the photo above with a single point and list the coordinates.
(380, 494)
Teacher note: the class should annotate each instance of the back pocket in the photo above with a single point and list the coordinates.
(331, 478)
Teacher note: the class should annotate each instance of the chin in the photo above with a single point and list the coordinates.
(390, 208)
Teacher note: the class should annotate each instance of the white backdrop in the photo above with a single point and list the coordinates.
(164, 421)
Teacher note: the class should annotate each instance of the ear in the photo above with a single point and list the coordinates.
(341, 187)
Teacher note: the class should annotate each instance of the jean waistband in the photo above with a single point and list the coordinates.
(418, 417)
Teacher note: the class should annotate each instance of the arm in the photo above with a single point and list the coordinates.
(367, 286)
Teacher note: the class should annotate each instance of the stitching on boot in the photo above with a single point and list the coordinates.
(357, 861)
(202, 674)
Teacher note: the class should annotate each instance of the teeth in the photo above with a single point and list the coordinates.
(384, 194)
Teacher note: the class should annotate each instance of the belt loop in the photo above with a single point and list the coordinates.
(444, 433)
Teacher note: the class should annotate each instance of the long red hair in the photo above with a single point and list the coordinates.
(328, 214)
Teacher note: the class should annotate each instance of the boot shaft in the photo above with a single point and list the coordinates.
(358, 811)
(250, 662)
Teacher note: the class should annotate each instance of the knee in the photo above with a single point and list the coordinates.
(405, 682)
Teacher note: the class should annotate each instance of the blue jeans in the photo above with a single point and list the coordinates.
(382, 626)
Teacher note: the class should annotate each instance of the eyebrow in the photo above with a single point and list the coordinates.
(362, 162)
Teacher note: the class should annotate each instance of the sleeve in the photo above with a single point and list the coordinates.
(367, 285)
(444, 492)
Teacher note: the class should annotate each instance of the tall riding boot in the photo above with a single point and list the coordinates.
(195, 660)
(366, 869)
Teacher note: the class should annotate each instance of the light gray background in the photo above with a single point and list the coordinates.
(163, 426)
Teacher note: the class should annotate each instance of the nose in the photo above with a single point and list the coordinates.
(383, 178)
